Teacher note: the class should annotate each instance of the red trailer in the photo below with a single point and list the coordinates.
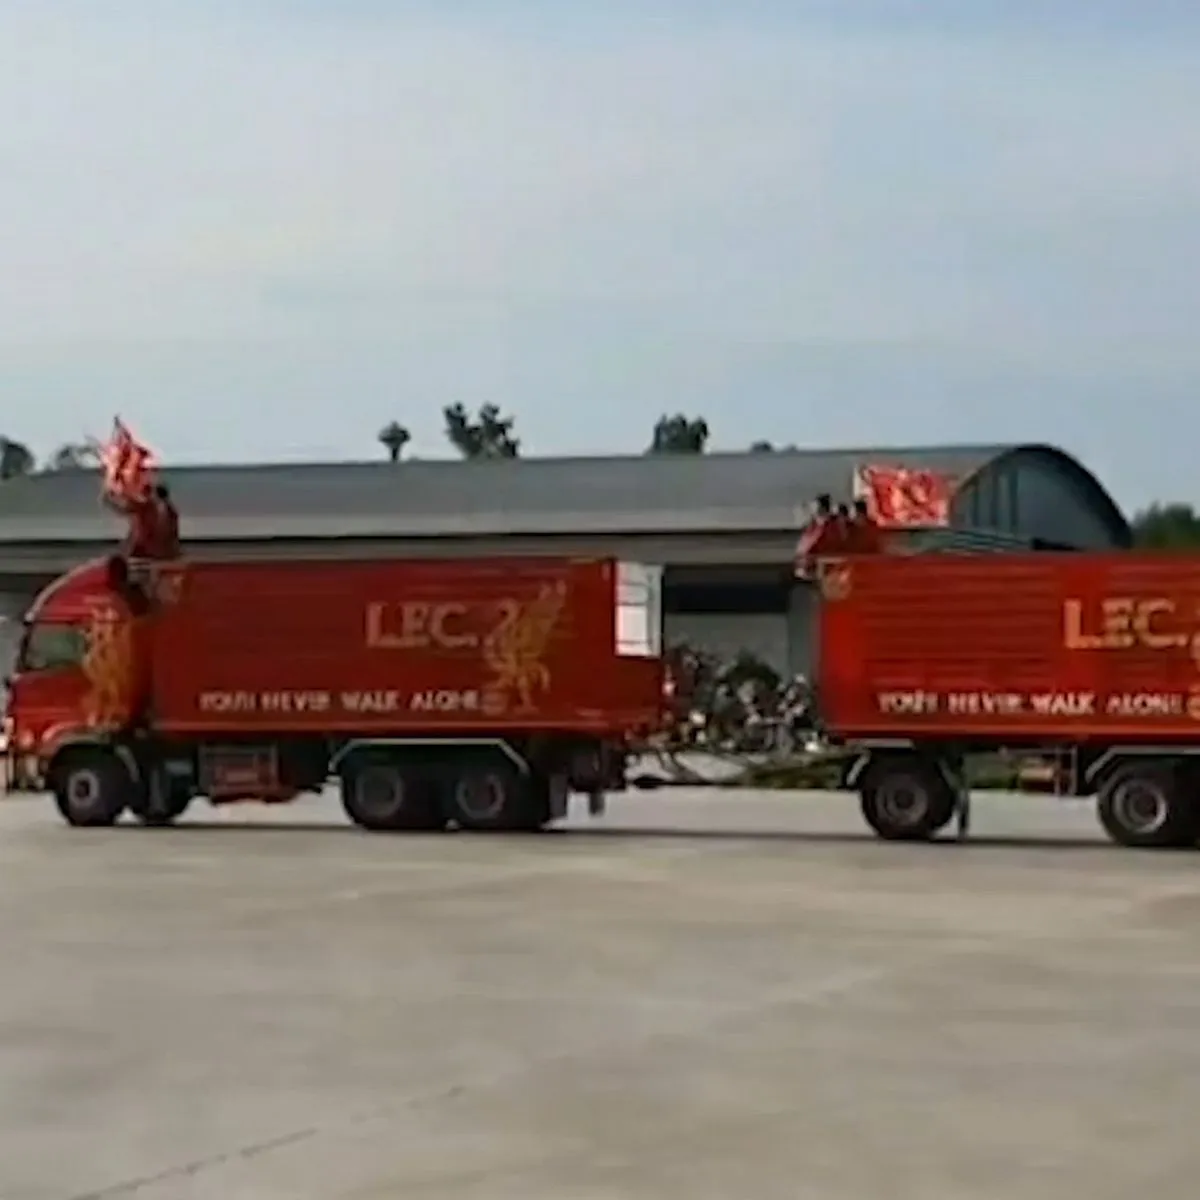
(468, 692)
(1092, 660)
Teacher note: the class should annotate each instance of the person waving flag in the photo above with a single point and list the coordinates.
(128, 467)
(127, 486)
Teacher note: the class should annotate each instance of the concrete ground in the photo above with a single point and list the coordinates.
(707, 995)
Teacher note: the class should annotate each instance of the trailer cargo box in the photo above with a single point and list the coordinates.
(1090, 662)
(405, 647)
(1038, 646)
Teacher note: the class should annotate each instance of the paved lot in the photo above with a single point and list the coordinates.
(294, 1010)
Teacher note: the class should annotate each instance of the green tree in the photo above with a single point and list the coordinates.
(15, 459)
(679, 434)
(394, 437)
(74, 456)
(1167, 527)
(486, 435)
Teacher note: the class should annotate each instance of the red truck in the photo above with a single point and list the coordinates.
(1091, 660)
(469, 693)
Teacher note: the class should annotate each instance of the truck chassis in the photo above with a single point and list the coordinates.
(483, 784)
(1147, 796)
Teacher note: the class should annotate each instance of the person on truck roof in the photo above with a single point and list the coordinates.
(814, 533)
(167, 523)
(142, 539)
(865, 535)
(822, 518)
(122, 584)
(840, 529)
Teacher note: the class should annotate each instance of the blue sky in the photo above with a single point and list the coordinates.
(261, 230)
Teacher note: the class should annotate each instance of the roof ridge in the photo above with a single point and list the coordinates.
(543, 460)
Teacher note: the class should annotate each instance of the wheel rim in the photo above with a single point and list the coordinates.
(903, 802)
(481, 798)
(84, 789)
(1140, 807)
(379, 793)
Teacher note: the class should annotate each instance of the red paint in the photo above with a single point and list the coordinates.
(434, 628)
(995, 627)
(370, 648)
(835, 535)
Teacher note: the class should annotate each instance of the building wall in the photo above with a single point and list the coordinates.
(1036, 498)
(765, 635)
(728, 610)
(13, 606)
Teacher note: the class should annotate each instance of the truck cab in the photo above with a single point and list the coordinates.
(80, 672)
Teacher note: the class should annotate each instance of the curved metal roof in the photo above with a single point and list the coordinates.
(1096, 494)
(666, 494)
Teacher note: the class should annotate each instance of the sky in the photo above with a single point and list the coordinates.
(262, 230)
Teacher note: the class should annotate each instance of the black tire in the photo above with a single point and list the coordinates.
(491, 796)
(906, 800)
(381, 795)
(91, 787)
(1146, 806)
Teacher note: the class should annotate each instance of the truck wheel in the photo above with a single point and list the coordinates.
(383, 796)
(91, 787)
(906, 801)
(1145, 807)
(491, 797)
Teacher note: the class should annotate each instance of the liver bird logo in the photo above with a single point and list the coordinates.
(516, 648)
(108, 667)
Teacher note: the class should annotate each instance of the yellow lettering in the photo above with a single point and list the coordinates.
(1074, 637)
(1118, 623)
(442, 632)
(1147, 610)
(414, 626)
(378, 637)
(418, 625)
(1124, 623)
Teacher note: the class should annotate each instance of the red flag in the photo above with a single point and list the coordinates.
(128, 465)
(904, 497)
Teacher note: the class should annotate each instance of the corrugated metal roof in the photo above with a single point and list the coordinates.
(634, 494)
(965, 541)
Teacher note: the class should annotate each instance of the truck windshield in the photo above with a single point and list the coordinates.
(49, 647)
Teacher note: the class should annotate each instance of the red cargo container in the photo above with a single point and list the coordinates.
(400, 648)
(1077, 647)
(1093, 659)
(468, 692)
